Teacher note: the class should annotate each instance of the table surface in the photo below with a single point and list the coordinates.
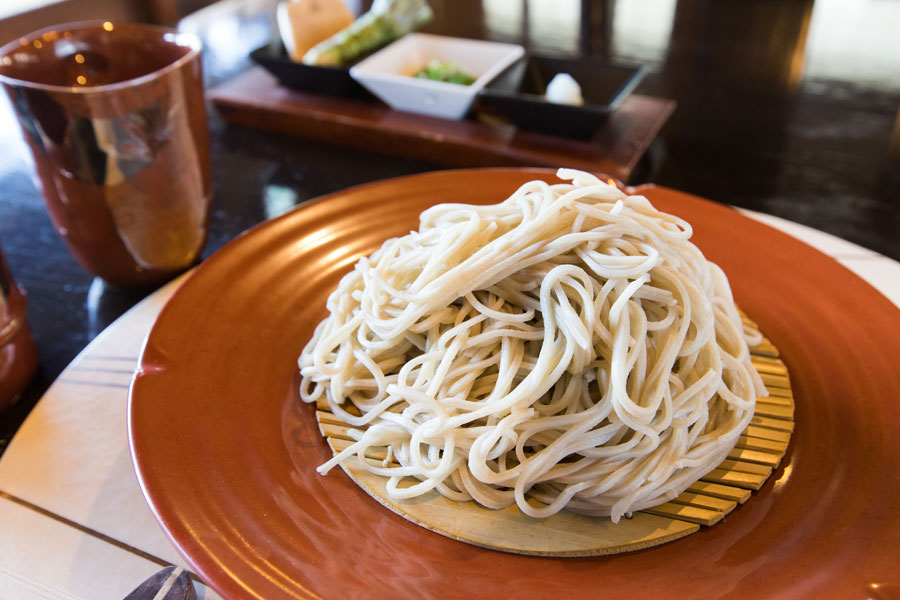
(803, 125)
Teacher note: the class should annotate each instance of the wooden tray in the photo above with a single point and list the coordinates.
(758, 451)
(255, 99)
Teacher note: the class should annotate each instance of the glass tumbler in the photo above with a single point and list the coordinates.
(115, 120)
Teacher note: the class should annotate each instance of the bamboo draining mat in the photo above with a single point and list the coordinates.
(758, 452)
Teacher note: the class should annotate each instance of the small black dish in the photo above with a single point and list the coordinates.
(327, 81)
(518, 94)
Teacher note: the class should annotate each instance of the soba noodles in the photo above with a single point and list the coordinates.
(566, 348)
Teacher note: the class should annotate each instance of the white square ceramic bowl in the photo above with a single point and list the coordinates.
(389, 72)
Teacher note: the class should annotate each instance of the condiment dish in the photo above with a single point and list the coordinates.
(389, 73)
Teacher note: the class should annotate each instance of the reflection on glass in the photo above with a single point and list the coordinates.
(641, 30)
(96, 323)
(549, 26)
(66, 48)
(278, 199)
(229, 31)
(104, 304)
(504, 18)
(554, 25)
(13, 151)
(221, 36)
(856, 42)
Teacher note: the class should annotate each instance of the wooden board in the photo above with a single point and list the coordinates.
(747, 467)
(255, 99)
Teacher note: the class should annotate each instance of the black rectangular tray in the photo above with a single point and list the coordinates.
(326, 81)
(518, 94)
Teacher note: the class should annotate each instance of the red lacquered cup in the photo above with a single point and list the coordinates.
(115, 119)
(18, 354)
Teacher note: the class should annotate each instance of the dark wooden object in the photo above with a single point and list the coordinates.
(255, 99)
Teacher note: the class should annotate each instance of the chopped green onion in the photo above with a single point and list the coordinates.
(446, 71)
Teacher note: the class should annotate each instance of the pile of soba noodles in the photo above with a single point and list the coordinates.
(568, 347)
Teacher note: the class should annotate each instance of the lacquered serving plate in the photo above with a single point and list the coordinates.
(226, 454)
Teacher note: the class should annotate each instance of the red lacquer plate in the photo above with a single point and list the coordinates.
(226, 454)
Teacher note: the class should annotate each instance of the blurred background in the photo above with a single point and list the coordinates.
(775, 97)
(787, 107)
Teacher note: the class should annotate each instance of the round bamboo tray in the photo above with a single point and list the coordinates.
(758, 452)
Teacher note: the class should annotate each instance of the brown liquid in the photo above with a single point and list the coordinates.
(124, 169)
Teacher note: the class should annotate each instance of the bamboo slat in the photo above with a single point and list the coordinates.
(769, 366)
(762, 444)
(767, 433)
(750, 481)
(776, 381)
(770, 423)
(684, 512)
(779, 400)
(766, 348)
(775, 411)
(755, 456)
(742, 466)
(780, 393)
(717, 490)
(767, 360)
(703, 501)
